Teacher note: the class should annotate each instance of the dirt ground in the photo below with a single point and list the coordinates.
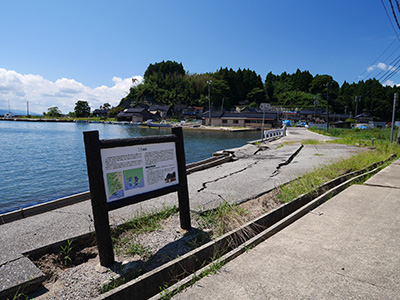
(84, 278)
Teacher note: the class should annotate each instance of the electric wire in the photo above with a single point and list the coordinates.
(388, 66)
(391, 23)
(394, 65)
(365, 70)
(393, 69)
(394, 14)
(398, 38)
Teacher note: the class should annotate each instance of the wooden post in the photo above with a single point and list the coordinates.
(98, 196)
(183, 192)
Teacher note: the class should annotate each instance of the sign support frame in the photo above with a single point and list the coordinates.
(101, 207)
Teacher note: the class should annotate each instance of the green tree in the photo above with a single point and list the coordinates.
(53, 111)
(82, 109)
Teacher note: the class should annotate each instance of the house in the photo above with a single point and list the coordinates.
(101, 113)
(333, 117)
(182, 111)
(364, 118)
(242, 119)
(291, 115)
(312, 115)
(160, 111)
(134, 114)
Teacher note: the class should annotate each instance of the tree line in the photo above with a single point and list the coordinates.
(168, 83)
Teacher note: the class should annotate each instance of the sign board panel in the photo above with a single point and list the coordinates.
(133, 170)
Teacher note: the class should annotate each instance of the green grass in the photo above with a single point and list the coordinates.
(147, 222)
(65, 253)
(125, 237)
(311, 142)
(19, 295)
(213, 268)
(323, 174)
(357, 136)
(223, 219)
(112, 284)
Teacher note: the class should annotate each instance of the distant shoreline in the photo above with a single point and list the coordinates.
(185, 126)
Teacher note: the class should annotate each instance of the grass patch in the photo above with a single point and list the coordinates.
(125, 239)
(311, 142)
(223, 219)
(19, 295)
(213, 268)
(147, 222)
(112, 284)
(319, 176)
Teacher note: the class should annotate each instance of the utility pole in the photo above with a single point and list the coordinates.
(357, 99)
(315, 106)
(27, 108)
(327, 107)
(393, 114)
(209, 101)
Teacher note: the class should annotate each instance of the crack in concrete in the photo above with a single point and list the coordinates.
(277, 171)
(11, 261)
(223, 177)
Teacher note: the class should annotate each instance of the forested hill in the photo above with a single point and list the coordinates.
(168, 83)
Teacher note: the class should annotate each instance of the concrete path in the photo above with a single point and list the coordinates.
(254, 173)
(347, 248)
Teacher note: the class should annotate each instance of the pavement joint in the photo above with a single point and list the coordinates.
(383, 186)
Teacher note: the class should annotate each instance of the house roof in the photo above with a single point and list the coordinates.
(159, 108)
(310, 111)
(244, 115)
(134, 110)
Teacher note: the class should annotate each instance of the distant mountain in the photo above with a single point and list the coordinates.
(17, 112)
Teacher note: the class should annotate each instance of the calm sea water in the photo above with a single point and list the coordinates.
(45, 161)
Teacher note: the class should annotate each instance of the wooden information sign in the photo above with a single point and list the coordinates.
(127, 171)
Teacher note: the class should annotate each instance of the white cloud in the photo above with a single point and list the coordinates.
(380, 66)
(63, 93)
(390, 83)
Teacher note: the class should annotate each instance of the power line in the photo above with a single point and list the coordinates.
(391, 23)
(394, 14)
(365, 70)
(392, 70)
(393, 67)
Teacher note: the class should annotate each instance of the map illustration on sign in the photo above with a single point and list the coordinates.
(115, 185)
(138, 169)
(133, 178)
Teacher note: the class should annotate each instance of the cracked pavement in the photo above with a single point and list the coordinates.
(252, 174)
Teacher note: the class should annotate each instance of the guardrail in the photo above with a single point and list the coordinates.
(268, 134)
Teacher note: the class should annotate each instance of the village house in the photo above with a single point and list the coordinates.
(135, 115)
(161, 111)
(242, 119)
(101, 113)
(182, 111)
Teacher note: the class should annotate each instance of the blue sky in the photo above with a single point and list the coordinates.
(56, 52)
